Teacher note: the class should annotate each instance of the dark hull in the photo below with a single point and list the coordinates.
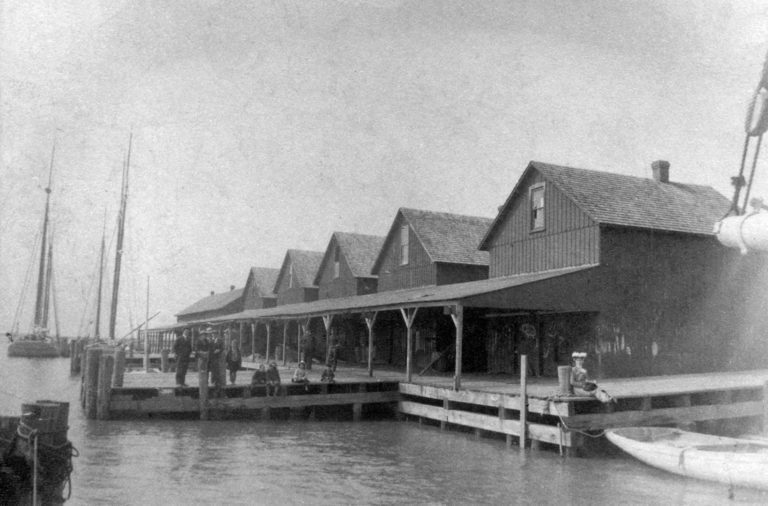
(33, 349)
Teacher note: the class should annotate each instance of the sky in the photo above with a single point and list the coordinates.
(262, 126)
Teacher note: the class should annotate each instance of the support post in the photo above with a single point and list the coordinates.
(146, 348)
(457, 315)
(253, 342)
(92, 356)
(106, 364)
(119, 372)
(268, 323)
(164, 359)
(285, 341)
(299, 328)
(523, 400)
(370, 321)
(202, 380)
(409, 315)
(327, 320)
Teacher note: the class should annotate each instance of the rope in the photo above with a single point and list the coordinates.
(565, 427)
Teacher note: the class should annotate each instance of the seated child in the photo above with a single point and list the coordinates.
(259, 376)
(273, 380)
(328, 375)
(300, 374)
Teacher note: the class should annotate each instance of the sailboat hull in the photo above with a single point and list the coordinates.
(33, 349)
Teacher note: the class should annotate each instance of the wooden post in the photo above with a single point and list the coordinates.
(91, 383)
(357, 408)
(269, 336)
(327, 320)
(164, 359)
(523, 400)
(446, 408)
(106, 364)
(564, 380)
(117, 376)
(146, 347)
(253, 341)
(457, 315)
(370, 321)
(299, 328)
(202, 380)
(285, 340)
(409, 315)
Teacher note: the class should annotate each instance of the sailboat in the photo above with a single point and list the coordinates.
(38, 342)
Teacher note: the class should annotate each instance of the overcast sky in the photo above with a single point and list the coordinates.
(264, 126)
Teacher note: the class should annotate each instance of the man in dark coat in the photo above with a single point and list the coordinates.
(215, 359)
(182, 348)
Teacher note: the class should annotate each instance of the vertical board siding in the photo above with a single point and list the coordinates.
(343, 286)
(569, 237)
(419, 271)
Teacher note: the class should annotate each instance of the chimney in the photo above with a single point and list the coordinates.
(212, 292)
(231, 287)
(660, 170)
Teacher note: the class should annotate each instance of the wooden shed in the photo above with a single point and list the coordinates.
(212, 306)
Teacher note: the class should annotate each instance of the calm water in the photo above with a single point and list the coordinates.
(192, 462)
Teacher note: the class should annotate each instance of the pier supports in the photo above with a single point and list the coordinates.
(91, 380)
(202, 379)
(370, 321)
(106, 364)
(119, 370)
(457, 315)
(523, 400)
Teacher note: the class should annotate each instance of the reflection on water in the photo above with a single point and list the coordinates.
(296, 462)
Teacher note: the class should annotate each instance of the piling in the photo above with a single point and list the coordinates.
(523, 400)
(91, 380)
(106, 365)
(119, 369)
(202, 378)
(164, 359)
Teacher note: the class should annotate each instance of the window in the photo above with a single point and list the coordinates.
(404, 245)
(336, 264)
(537, 207)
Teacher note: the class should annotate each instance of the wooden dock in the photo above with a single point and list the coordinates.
(722, 403)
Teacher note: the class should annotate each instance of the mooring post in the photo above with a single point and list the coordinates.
(91, 383)
(106, 364)
(119, 370)
(164, 359)
(523, 400)
(202, 379)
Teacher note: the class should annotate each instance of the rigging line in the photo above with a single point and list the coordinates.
(738, 181)
(752, 172)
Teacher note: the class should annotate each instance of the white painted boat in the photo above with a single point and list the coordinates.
(737, 462)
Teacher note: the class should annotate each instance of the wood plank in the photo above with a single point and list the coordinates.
(545, 433)
(665, 416)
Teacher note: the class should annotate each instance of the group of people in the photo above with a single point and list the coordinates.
(213, 345)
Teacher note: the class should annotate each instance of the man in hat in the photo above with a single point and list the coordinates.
(182, 348)
(216, 363)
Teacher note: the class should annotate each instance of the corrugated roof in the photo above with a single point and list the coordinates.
(422, 296)
(265, 278)
(360, 251)
(305, 265)
(213, 302)
(616, 199)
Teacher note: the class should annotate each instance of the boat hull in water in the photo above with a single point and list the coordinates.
(33, 349)
(733, 461)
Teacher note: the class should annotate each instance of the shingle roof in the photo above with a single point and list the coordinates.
(449, 238)
(213, 302)
(265, 278)
(305, 265)
(360, 251)
(630, 201)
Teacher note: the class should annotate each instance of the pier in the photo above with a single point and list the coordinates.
(537, 414)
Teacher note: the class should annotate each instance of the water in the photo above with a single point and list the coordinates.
(293, 462)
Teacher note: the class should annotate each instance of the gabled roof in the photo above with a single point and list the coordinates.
(305, 264)
(213, 302)
(447, 238)
(359, 250)
(265, 278)
(616, 199)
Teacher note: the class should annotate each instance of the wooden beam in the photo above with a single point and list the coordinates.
(409, 315)
(370, 321)
(523, 399)
(327, 320)
(457, 315)
(285, 340)
(253, 341)
(268, 324)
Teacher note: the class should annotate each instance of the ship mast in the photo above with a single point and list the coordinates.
(39, 302)
(47, 289)
(120, 232)
(101, 278)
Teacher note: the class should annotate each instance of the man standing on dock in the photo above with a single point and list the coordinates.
(182, 348)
